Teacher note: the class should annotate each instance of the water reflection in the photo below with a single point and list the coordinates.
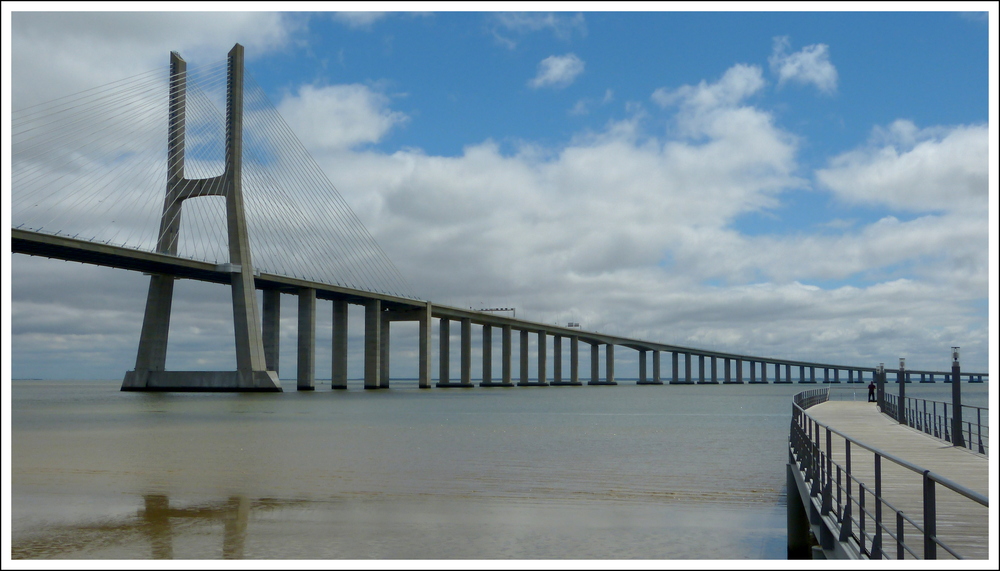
(158, 523)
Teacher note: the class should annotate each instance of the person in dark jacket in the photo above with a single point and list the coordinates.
(871, 391)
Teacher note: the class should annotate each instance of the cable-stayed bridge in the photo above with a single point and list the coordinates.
(192, 173)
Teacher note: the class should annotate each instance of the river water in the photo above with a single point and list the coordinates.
(536, 473)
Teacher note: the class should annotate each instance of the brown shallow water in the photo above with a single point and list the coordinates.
(627, 472)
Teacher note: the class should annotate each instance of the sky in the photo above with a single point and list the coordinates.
(804, 185)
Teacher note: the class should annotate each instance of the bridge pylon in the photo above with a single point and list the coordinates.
(251, 372)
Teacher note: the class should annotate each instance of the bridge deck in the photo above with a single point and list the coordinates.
(961, 523)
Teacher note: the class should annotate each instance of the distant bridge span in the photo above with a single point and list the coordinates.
(395, 308)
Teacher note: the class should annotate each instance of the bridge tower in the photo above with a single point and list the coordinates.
(251, 372)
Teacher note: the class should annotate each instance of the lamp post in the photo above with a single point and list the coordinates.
(901, 379)
(880, 381)
(957, 438)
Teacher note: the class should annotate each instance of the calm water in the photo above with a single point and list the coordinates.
(647, 472)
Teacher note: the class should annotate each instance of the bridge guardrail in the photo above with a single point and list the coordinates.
(860, 523)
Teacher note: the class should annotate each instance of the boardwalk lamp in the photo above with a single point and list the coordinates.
(957, 438)
(901, 379)
(880, 381)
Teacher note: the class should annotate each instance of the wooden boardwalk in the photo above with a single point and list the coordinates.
(961, 523)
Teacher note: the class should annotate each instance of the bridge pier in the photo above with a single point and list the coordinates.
(487, 379)
(574, 363)
(373, 343)
(466, 373)
(506, 356)
(306, 365)
(271, 328)
(642, 368)
(338, 368)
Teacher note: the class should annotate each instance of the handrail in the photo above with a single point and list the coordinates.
(824, 476)
(975, 434)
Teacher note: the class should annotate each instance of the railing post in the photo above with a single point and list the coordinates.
(861, 518)
(877, 541)
(930, 518)
(827, 490)
(979, 429)
(899, 535)
(845, 525)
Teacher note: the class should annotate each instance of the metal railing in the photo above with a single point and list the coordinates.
(976, 435)
(859, 508)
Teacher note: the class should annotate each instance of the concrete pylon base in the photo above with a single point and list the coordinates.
(649, 382)
(566, 384)
(455, 385)
(495, 384)
(611, 383)
(532, 384)
(202, 381)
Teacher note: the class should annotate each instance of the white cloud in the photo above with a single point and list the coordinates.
(359, 19)
(557, 71)
(67, 52)
(562, 26)
(811, 64)
(911, 169)
(339, 116)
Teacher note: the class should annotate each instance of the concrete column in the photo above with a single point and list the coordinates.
(307, 340)
(727, 377)
(812, 374)
(444, 352)
(271, 328)
(777, 373)
(595, 364)
(673, 356)
(424, 350)
(384, 352)
(753, 371)
(338, 370)
(687, 367)
(609, 363)
(826, 375)
(739, 371)
(524, 356)
(656, 367)
(505, 356)
(487, 354)
(574, 359)
(557, 358)
(788, 373)
(466, 351)
(542, 376)
(373, 342)
(715, 372)
(836, 376)
(701, 368)
(642, 366)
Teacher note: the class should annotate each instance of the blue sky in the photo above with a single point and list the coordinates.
(816, 182)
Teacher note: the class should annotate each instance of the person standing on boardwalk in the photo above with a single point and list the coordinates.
(871, 391)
